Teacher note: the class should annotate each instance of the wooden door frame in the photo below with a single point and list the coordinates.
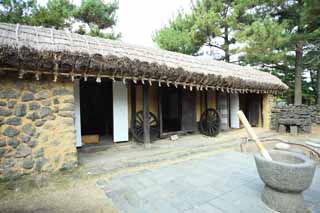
(163, 134)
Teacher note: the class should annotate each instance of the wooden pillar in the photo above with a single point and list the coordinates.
(206, 104)
(160, 111)
(133, 102)
(146, 124)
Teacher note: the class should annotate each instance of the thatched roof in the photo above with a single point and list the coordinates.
(41, 51)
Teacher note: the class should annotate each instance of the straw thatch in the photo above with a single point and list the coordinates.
(40, 51)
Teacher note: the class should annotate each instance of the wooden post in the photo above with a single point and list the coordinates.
(160, 111)
(133, 103)
(253, 135)
(146, 124)
(206, 105)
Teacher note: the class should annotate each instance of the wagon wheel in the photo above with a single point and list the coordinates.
(137, 127)
(210, 125)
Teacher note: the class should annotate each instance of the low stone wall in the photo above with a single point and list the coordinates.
(301, 116)
(315, 114)
(37, 130)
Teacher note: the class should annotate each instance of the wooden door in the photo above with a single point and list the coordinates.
(223, 109)
(188, 111)
(120, 112)
(234, 108)
(254, 109)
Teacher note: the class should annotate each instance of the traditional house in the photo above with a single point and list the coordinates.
(56, 86)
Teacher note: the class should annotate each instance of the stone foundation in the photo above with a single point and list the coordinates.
(37, 130)
(293, 119)
(315, 114)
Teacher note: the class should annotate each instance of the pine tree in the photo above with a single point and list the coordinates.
(211, 23)
(16, 11)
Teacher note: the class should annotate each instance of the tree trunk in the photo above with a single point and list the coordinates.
(318, 87)
(298, 73)
(226, 44)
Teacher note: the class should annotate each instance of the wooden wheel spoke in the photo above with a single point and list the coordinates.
(139, 117)
(138, 126)
(210, 122)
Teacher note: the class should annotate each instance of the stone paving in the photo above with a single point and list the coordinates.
(225, 183)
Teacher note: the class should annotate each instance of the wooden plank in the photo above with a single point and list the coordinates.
(120, 112)
(234, 108)
(206, 104)
(254, 109)
(188, 111)
(77, 112)
(222, 108)
(160, 111)
(146, 124)
(133, 102)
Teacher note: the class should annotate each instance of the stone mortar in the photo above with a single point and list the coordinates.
(285, 178)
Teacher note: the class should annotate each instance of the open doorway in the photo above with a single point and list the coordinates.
(171, 109)
(96, 111)
(251, 105)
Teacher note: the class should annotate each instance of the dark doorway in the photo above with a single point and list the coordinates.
(251, 105)
(171, 109)
(96, 107)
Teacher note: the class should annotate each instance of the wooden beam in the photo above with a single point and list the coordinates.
(206, 105)
(146, 124)
(160, 111)
(133, 102)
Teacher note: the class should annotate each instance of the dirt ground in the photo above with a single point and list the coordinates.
(77, 190)
(57, 193)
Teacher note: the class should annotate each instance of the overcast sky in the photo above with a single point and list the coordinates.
(138, 19)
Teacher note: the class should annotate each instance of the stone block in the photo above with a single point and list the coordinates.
(28, 129)
(33, 116)
(16, 121)
(13, 142)
(42, 95)
(3, 103)
(2, 151)
(34, 106)
(282, 128)
(5, 112)
(27, 163)
(69, 99)
(39, 153)
(307, 129)
(9, 93)
(56, 101)
(10, 131)
(27, 96)
(67, 107)
(294, 130)
(24, 138)
(39, 122)
(2, 141)
(46, 102)
(21, 110)
(23, 151)
(32, 143)
(1, 121)
(39, 164)
(12, 103)
(61, 91)
(44, 111)
(66, 114)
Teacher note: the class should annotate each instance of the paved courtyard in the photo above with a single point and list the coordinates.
(226, 182)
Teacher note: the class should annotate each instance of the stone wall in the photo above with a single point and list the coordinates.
(294, 118)
(37, 130)
(315, 114)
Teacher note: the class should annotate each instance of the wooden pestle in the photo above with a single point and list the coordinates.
(253, 135)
